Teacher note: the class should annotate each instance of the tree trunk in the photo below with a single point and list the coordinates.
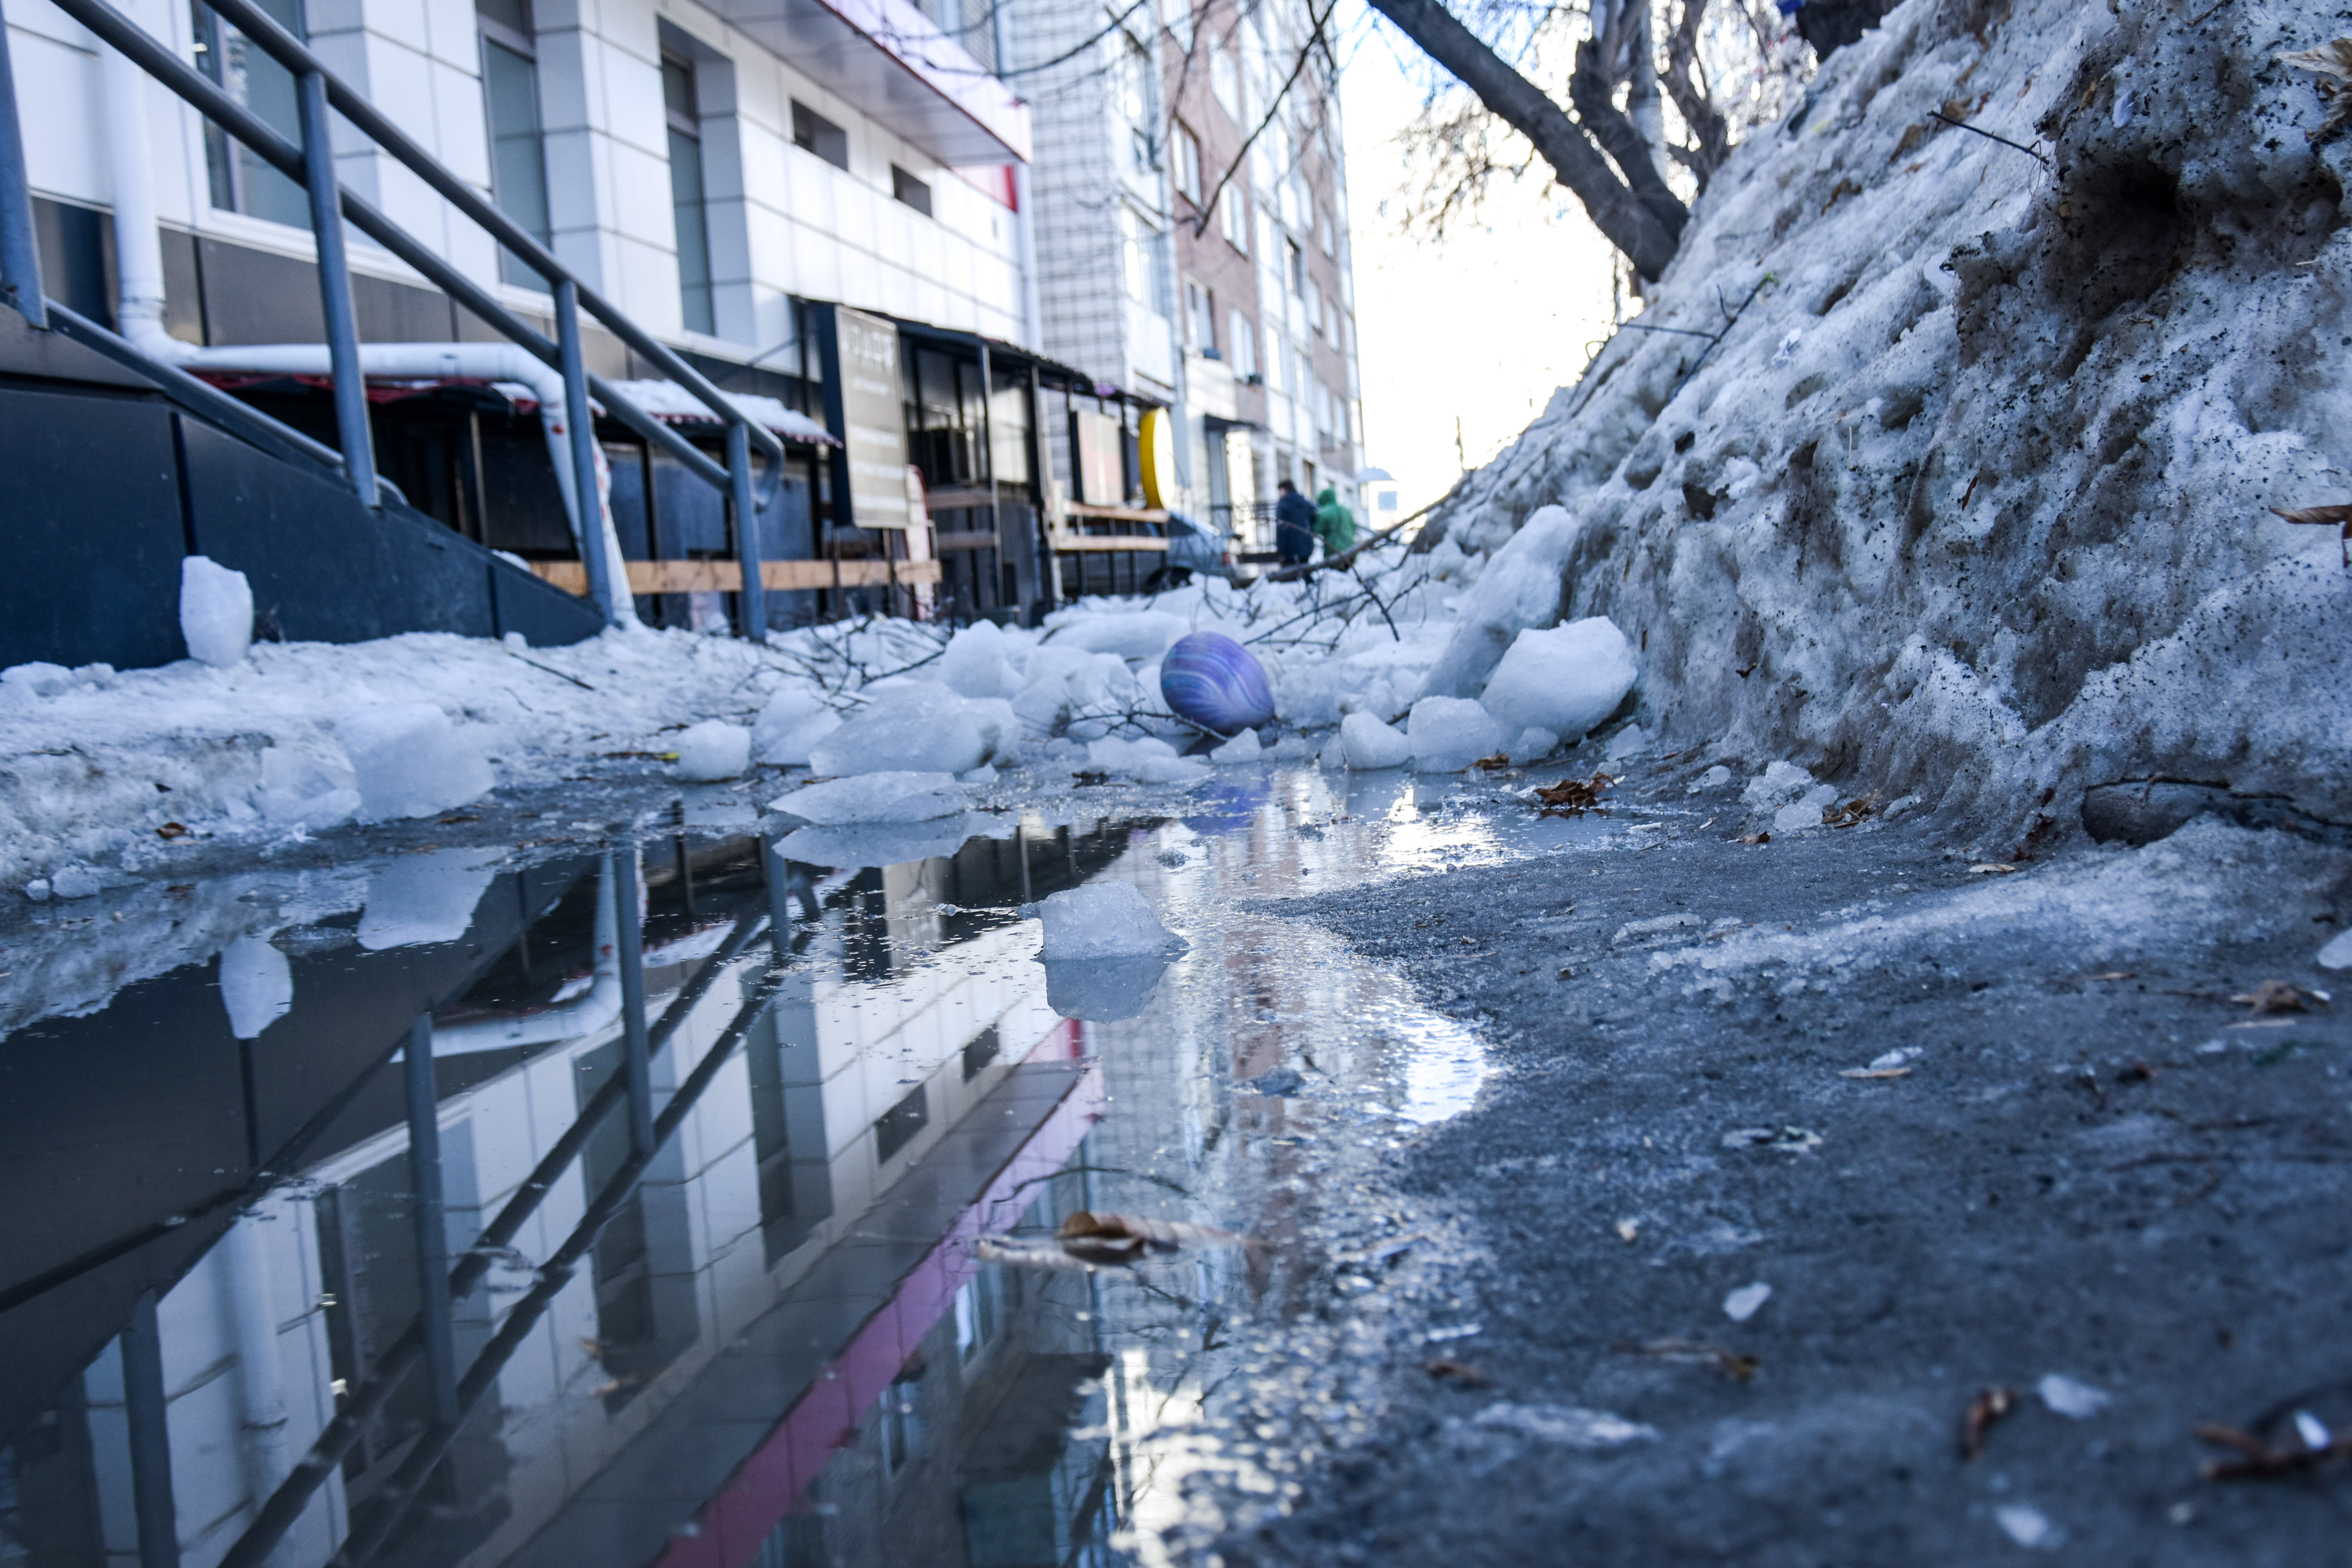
(1627, 222)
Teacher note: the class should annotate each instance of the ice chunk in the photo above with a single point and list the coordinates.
(1805, 810)
(916, 728)
(256, 985)
(1520, 589)
(982, 661)
(904, 795)
(1103, 990)
(1147, 761)
(1569, 1425)
(37, 678)
(2077, 1401)
(1242, 748)
(303, 792)
(215, 610)
(1449, 733)
(74, 882)
(1780, 782)
(1630, 741)
(2338, 953)
(1563, 678)
(1747, 1301)
(1103, 919)
(37, 889)
(1533, 746)
(408, 760)
(1137, 634)
(2027, 1525)
(880, 843)
(712, 750)
(982, 774)
(1368, 744)
(424, 899)
(793, 719)
(1715, 777)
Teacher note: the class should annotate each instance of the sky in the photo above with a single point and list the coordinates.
(1481, 329)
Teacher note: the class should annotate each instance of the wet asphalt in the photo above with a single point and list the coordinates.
(2095, 1164)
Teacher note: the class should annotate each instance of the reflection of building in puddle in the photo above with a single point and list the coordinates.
(878, 1072)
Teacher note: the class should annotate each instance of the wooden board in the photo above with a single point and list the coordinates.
(1080, 543)
(726, 577)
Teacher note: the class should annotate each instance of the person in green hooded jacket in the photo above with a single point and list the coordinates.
(1335, 525)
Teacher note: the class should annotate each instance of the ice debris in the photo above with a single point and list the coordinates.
(1747, 1301)
(1449, 733)
(1563, 678)
(215, 610)
(1630, 741)
(420, 899)
(1520, 589)
(1715, 777)
(1569, 1425)
(1805, 812)
(303, 792)
(901, 796)
(1242, 748)
(408, 760)
(1777, 785)
(2026, 1525)
(1366, 743)
(256, 985)
(1103, 919)
(714, 750)
(2338, 953)
(2077, 1401)
(74, 882)
(1533, 746)
(794, 721)
(1147, 761)
(918, 727)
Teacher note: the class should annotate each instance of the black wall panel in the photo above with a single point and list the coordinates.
(545, 614)
(90, 510)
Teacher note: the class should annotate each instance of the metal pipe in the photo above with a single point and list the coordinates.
(144, 1408)
(139, 292)
(335, 289)
(637, 1058)
(583, 440)
(751, 603)
(287, 1504)
(432, 1226)
(20, 247)
(260, 1375)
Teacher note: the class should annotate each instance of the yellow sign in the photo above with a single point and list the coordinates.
(1157, 441)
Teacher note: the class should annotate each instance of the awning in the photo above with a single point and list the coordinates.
(894, 63)
(673, 404)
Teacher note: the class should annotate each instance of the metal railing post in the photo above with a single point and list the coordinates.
(577, 414)
(629, 938)
(752, 604)
(432, 1227)
(335, 290)
(143, 1411)
(20, 247)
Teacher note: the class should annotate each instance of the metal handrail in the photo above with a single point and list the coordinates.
(321, 87)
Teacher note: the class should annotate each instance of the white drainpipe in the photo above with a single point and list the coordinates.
(139, 315)
(592, 1010)
(260, 1375)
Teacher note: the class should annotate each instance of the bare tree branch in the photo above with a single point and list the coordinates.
(1622, 217)
(1618, 49)
(1710, 133)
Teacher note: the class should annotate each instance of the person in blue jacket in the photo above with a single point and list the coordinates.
(1294, 526)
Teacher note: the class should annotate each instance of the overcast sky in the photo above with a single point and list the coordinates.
(1481, 329)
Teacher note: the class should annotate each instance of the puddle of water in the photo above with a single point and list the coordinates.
(735, 1308)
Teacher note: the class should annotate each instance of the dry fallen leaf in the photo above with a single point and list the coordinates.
(1851, 812)
(2278, 996)
(1125, 1238)
(1740, 1367)
(2263, 1462)
(2339, 517)
(1756, 839)
(1573, 797)
(171, 830)
(1446, 1369)
(2332, 62)
(1499, 760)
(1984, 1410)
(1875, 1072)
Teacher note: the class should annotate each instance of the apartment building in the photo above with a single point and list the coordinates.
(1193, 237)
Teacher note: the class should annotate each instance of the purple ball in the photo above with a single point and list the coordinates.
(1216, 683)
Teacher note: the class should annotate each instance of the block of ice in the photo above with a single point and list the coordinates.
(793, 720)
(1114, 756)
(1137, 634)
(1780, 782)
(1103, 919)
(1449, 733)
(1715, 777)
(307, 792)
(1103, 990)
(1242, 748)
(1630, 741)
(408, 760)
(982, 774)
(215, 610)
(1368, 744)
(256, 985)
(2338, 953)
(419, 899)
(880, 843)
(982, 661)
(905, 795)
(1520, 588)
(74, 882)
(1533, 746)
(916, 728)
(1562, 678)
(712, 750)
(1805, 810)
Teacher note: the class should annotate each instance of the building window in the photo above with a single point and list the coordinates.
(813, 133)
(1278, 359)
(896, 1128)
(1295, 266)
(1188, 165)
(1135, 102)
(1326, 231)
(910, 190)
(1242, 334)
(1225, 81)
(1135, 262)
(517, 156)
(1232, 217)
(241, 182)
(685, 192)
(1201, 317)
(1315, 307)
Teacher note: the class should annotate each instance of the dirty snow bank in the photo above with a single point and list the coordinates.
(1971, 496)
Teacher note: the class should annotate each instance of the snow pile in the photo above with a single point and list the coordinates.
(875, 797)
(408, 760)
(1970, 494)
(714, 750)
(215, 610)
(1103, 919)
